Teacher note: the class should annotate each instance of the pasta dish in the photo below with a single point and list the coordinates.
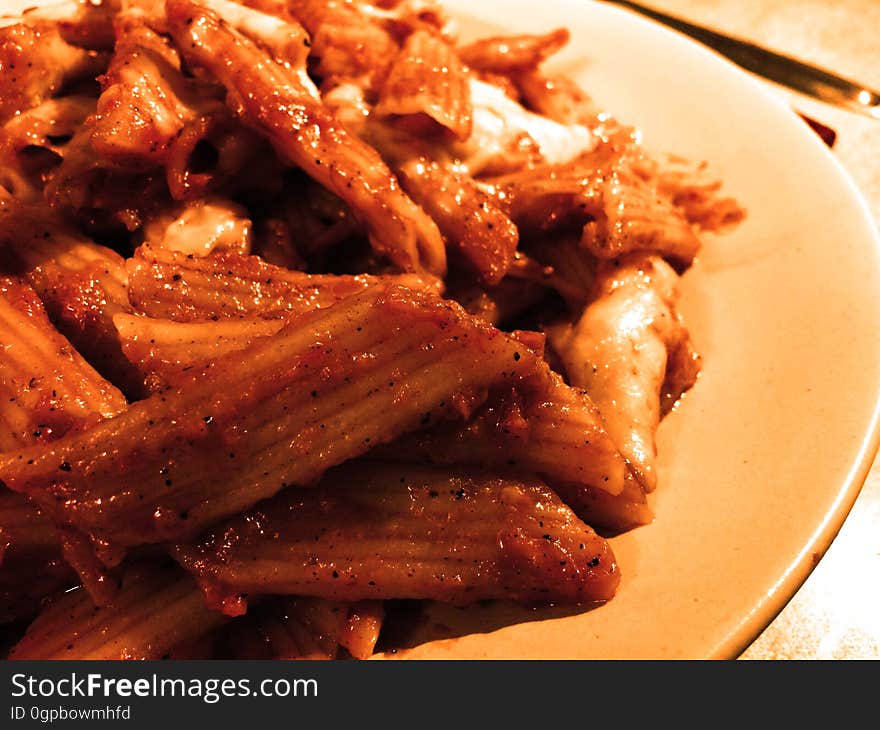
(309, 306)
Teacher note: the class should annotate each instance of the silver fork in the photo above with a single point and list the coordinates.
(785, 70)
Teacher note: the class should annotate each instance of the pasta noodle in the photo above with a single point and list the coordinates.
(354, 367)
(66, 391)
(33, 143)
(512, 53)
(428, 78)
(81, 284)
(183, 288)
(307, 306)
(551, 429)
(456, 537)
(155, 610)
(473, 225)
(46, 390)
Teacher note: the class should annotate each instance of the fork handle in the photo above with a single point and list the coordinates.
(785, 70)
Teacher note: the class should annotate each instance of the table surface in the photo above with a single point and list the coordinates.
(836, 613)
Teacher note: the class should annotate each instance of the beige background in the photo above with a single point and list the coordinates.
(836, 614)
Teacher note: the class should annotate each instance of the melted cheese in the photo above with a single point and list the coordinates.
(501, 129)
(202, 227)
(499, 122)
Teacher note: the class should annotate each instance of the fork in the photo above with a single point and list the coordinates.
(785, 70)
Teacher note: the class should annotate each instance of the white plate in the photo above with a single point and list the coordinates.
(764, 458)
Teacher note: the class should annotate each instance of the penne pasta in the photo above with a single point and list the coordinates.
(46, 387)
(105, 200)
(170, 285)
(692, 190)
(46, 390)
(344, 44)
(506, 54)
(164, 350)
(146, 102)
(96, 567)
(617, 211)
(543, 427)
(34, 142)
(613, 513)
(400, 530)
(390, 360)
(48, 124)
(633, 217)
(428, 79)
(215, 152)
(474, 227)
(155, 610)
(81, 284)
(558, 98)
